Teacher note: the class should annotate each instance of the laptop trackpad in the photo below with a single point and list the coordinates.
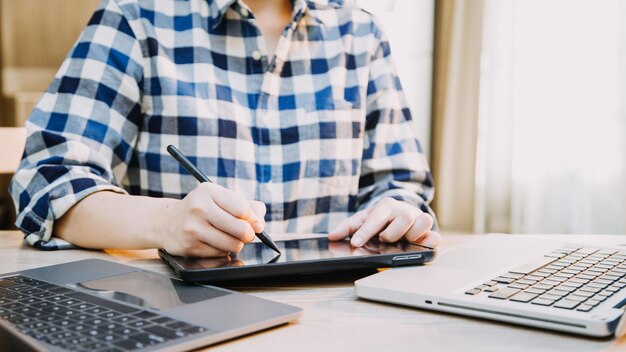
(478, 260)
(149, 290)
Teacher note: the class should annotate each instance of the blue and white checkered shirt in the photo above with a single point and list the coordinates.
(316, 132)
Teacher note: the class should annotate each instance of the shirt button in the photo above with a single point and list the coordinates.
(256, 55)
(244, 12)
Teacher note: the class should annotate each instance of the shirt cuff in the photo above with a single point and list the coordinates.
(37, 219)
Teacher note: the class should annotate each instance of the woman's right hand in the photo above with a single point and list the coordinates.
(210, 221)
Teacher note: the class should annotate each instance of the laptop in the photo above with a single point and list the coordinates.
(92, 304)
(568, 287)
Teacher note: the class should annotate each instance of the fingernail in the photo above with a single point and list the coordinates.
(431, 242)
(357, 241)
(258, 227)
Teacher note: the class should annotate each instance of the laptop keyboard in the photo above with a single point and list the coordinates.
(76, 321)
(574, 278)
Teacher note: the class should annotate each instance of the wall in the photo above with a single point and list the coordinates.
(409, 24)
(35, 36)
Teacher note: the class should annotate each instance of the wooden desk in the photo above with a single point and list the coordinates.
(335, 319)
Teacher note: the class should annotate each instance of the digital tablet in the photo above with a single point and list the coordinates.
(302, 256)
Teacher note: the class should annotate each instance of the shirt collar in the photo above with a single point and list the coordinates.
(218, 8)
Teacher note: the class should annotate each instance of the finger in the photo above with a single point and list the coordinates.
(259, 209)
(207, 234)
(362, 251)
(339, 248)
(348, 226)
(234, 204)
(202, 250)
(236, 262)
(228, 224)
(423, 223)
(430, 239)
(399, 225)
(390, 250)
(375, 222)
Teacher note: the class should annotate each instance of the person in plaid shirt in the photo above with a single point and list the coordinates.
(293, 103)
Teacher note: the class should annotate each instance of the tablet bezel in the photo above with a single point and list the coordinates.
(300, 267)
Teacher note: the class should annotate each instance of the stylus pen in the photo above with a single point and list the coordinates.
(200, 176)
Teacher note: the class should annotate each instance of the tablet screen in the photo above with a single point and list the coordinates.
(298, 250)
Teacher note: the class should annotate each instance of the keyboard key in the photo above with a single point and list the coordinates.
(588, 288)
(567, 304)
(557, 279)
(559, 293)
(124, 319)
(550, 297)
(534, 291)
(503, 280)
(525, 281)
(109, 315)
(125, 331)
(512, 275)
(145, 339)
(542, 286)
(575, 282)
(523, 297)
(194, 330)
(582, 293)
(110, 326)
(542, 301)
(162, 332)
(584, 308)
(504, 293)
(178, 325)
(597, 284)
(602, 281)
(145, 315)
(576, 298)
(541, 274)
(533, 277)
(140, 324)
(593, 302)
(565, 288)
(129, 345)
(95, 322)
(163, 320)
(600, 298)
(550, 282)
(473, 291)
(97, 310)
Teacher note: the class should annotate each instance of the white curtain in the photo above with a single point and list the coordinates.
(409, 27)
(551, 155)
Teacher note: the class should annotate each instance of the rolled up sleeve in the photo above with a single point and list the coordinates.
(393, 164)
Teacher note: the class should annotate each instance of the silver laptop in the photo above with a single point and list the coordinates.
(94, 305)
(570, 287)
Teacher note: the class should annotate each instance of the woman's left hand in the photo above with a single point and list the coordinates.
(391, 220)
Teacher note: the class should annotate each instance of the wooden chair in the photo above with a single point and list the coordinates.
(12, 141)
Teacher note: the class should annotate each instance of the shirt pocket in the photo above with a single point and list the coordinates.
(334, 147)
